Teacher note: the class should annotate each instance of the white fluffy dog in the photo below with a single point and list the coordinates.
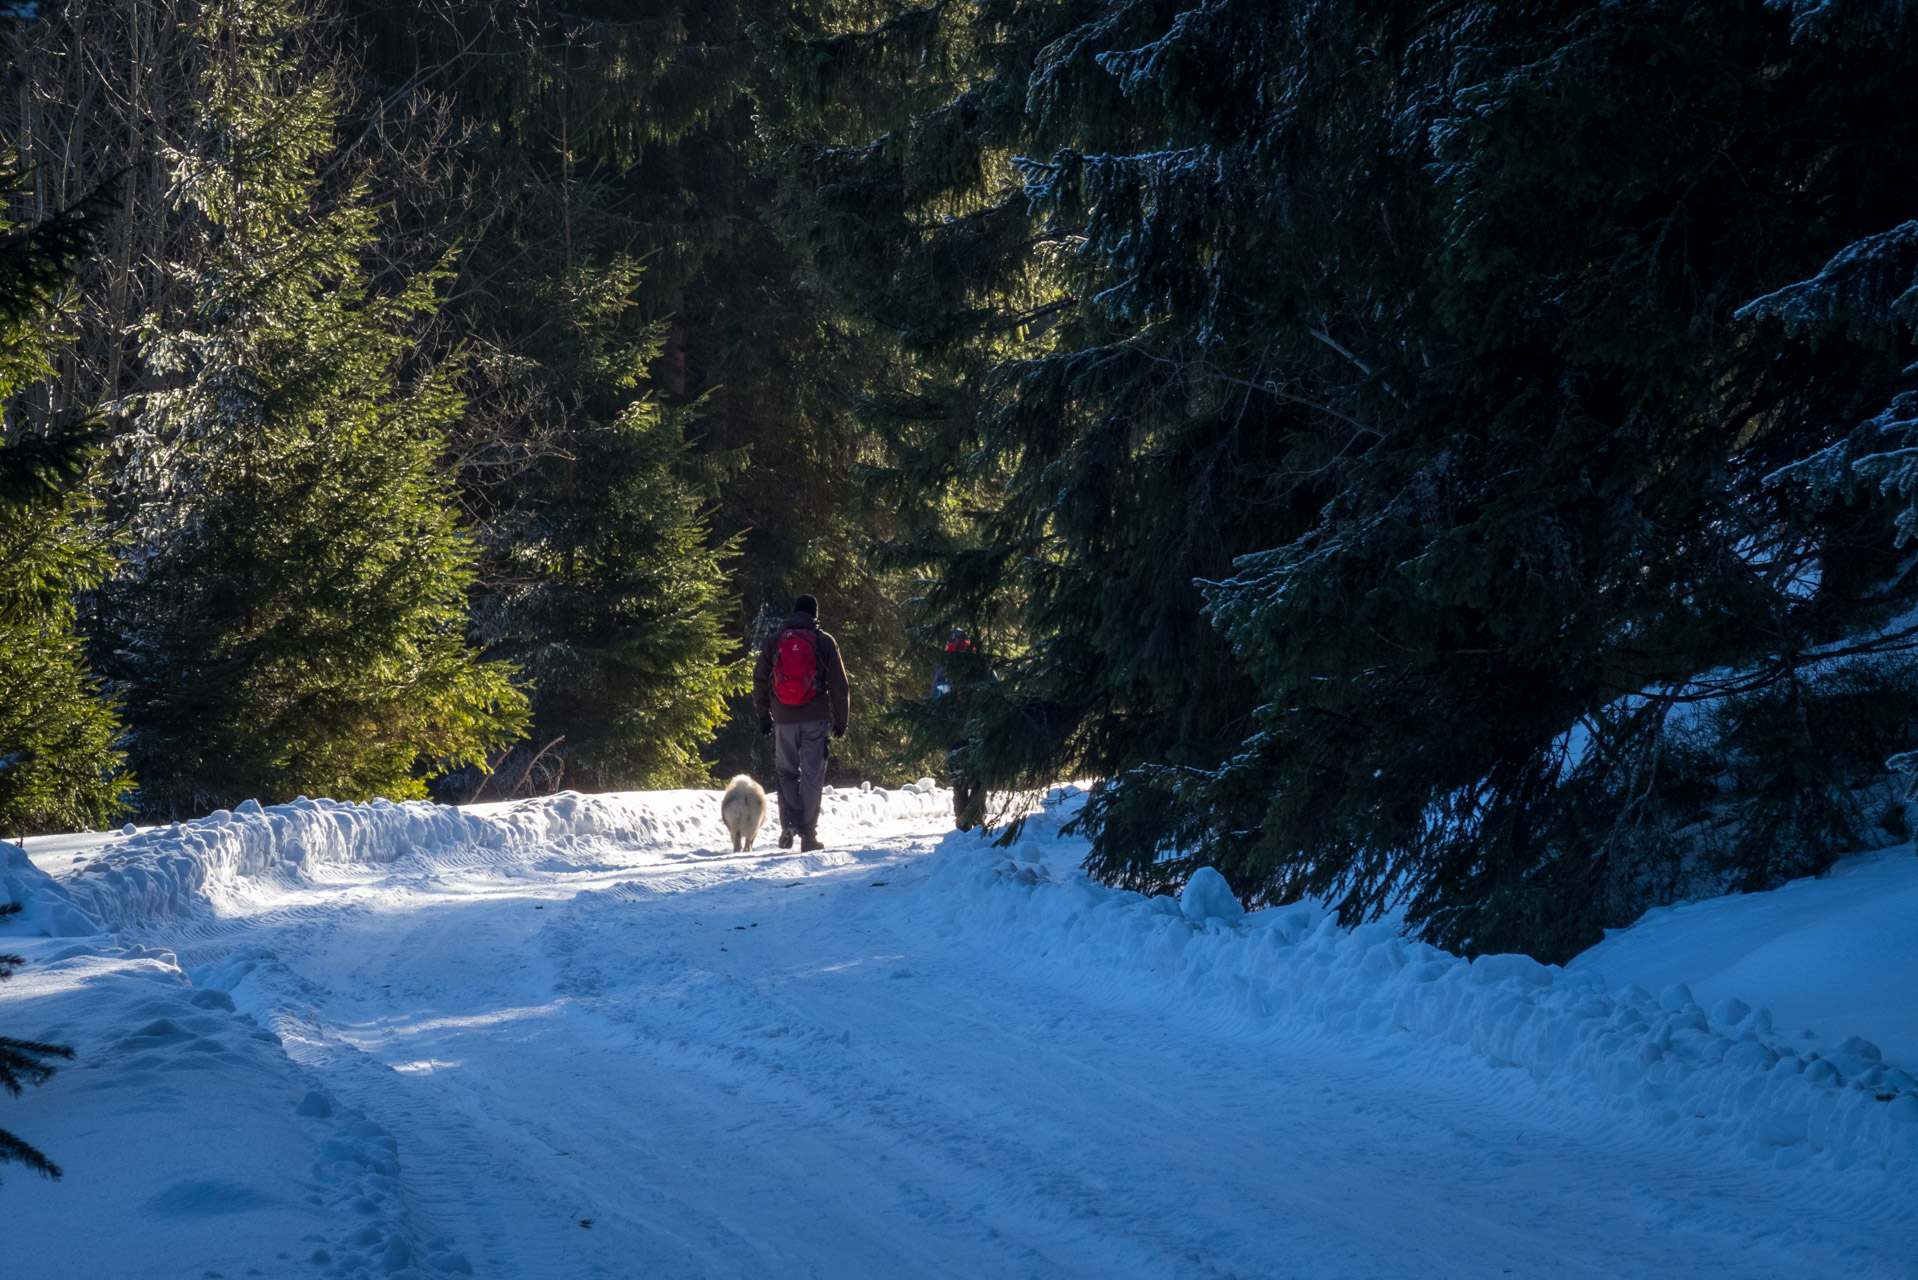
(743, 808)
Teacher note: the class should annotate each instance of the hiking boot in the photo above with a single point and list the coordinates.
(809, 844)
(785, 839)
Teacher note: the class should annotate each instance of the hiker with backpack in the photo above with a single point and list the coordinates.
(800, 691)
(966, 794)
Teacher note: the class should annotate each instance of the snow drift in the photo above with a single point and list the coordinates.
(1720, 1076)
(1837, 954)
(186, 869)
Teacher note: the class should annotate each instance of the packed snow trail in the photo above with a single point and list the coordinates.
(610, 1049)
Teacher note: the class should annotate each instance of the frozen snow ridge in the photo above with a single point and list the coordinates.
(1721, 1076)
(178, 872)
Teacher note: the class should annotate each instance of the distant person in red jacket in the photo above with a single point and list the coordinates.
(964, 790)
(799, 689)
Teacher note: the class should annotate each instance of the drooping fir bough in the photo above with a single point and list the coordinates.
(24, 1062)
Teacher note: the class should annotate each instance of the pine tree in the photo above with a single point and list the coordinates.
(58, 762)
(606, 591)
(292, 618)
(60, 767)
(588, 133)
(1565, 541)
(1350, 406)
(24, 1062)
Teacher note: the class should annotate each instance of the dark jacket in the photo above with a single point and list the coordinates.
(834, 704)
(940, 684)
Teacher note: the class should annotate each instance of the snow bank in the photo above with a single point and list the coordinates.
(170, 872)
(48, 913)
(223, 1151)
(179, 871)
(843, 807)
(1719, 1076)
(1834, 955)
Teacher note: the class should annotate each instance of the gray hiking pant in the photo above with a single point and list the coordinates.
(799, 757)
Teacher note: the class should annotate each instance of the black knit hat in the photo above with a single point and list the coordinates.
(806, 605)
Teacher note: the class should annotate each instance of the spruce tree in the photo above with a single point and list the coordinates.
(586, 134)
(1351, 407)
(604, 587)
(60, 766)
(292, 615)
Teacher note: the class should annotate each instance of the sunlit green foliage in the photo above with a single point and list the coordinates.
(605, 132)
(293, 613)
(60, 767)
(605, 588)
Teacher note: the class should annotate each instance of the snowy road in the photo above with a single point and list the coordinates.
(667, 1061)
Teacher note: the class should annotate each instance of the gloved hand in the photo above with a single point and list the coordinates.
(765, 726)
(839, 731)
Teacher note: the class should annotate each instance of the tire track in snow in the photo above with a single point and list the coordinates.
(860, 1086)
(904, 1114)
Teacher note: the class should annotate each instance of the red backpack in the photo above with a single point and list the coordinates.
(796, 667)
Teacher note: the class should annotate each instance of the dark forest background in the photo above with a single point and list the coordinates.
(1457, 458)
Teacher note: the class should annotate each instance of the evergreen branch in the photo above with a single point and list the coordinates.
(1268, 388)
(15, 1151)
(19, 1061)
(1333, 343)
(40, 468)
(1771, 672)
(37, 261)
(1023, 319)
